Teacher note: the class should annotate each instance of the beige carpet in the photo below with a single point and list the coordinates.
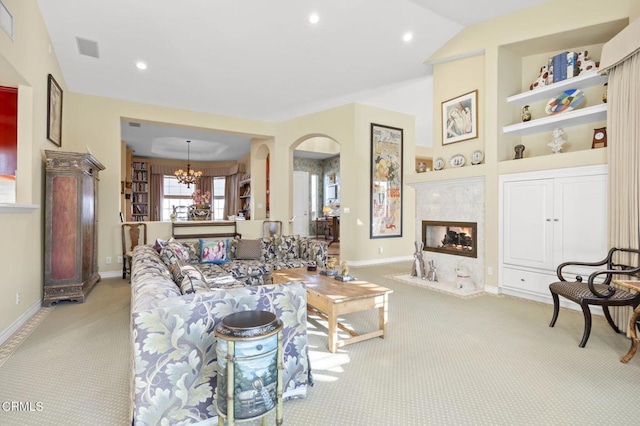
(446, 361)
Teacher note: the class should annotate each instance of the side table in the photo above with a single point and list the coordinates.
(250, 367)
(631, 285)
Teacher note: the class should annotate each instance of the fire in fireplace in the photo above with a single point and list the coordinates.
(457, 238)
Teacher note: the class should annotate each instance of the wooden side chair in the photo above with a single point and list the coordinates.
(598, 289)
(131, 237)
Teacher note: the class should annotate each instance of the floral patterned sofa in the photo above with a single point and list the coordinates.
(173, 345)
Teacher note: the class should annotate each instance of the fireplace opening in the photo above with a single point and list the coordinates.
(457, 238)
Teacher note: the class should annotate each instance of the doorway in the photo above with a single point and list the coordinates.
(301, 203)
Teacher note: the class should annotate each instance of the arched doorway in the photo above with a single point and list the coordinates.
(316, 188)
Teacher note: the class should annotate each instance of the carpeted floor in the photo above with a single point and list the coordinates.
(446, 361)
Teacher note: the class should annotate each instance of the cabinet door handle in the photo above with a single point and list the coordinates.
(522, 279)
(556, 220)
(548, 220)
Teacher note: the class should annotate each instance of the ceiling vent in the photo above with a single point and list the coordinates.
(132, 124)
(88, 47)
(6, 20)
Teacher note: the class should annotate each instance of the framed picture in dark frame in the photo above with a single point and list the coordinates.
(386, 182)
(54, 111)
(460, 118)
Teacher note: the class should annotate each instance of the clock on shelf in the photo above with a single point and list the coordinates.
(599, 138)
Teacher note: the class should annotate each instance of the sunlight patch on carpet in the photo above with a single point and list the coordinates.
(441, 287)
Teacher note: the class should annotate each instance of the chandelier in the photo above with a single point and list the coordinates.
(190, 177)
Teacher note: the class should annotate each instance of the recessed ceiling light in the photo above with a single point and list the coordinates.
(314, 18)
(407, 37)
(141, 65)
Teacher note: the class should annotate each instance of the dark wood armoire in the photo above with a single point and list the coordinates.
(71, 226)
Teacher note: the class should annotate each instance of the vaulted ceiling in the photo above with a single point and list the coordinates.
(254, 59)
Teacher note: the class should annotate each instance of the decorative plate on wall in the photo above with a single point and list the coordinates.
(477, 157)
(438, 164)
(457, 160)
(567, 101)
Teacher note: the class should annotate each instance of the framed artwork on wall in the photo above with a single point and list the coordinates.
(460, 118)
(386, 182)
(54, 112)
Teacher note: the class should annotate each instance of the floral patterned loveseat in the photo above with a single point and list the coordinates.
(174, 348)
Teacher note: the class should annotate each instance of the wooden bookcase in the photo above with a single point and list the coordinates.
(139, 190)
(244, 192)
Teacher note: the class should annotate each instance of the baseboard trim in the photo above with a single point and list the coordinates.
(491, 289)
(111, 274)
(20, 321)
(379, 261)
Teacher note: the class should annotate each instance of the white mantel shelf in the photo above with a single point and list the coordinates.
(8, 208)
(466, 172)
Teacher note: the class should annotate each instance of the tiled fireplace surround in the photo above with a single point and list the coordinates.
(459, 200)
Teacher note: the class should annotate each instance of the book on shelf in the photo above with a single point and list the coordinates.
(564, 65)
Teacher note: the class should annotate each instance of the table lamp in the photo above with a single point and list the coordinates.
(326, 210)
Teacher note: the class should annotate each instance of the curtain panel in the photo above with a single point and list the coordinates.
(621, 60)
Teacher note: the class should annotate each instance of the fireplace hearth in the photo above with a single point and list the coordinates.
(455, 238)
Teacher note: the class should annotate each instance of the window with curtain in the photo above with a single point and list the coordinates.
(175, 194)
(217, 198)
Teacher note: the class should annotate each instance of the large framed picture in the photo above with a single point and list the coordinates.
(460, 118)
(386, 181)
(54, 112)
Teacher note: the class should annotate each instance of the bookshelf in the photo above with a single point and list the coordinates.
(139, 190)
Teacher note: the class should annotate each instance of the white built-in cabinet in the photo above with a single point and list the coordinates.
(547, 218)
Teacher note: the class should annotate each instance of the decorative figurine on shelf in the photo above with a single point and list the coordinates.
(519, 149)
(432, 276)
(604, 95)
(332, 262)
(174, 214)
(585, 63)
(418, 269)
(542, 79)
(422, 167)
(526, 115)
(558, 140)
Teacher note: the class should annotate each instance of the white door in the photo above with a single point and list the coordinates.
(301, 203)
(580, 217)
(528, 223)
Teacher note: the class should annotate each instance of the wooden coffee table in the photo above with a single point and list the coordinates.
(330, 298)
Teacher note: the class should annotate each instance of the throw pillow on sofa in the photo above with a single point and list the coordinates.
(172, 257)
(187, 252)
(192, 280)
(248, 250)
(214, 251)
